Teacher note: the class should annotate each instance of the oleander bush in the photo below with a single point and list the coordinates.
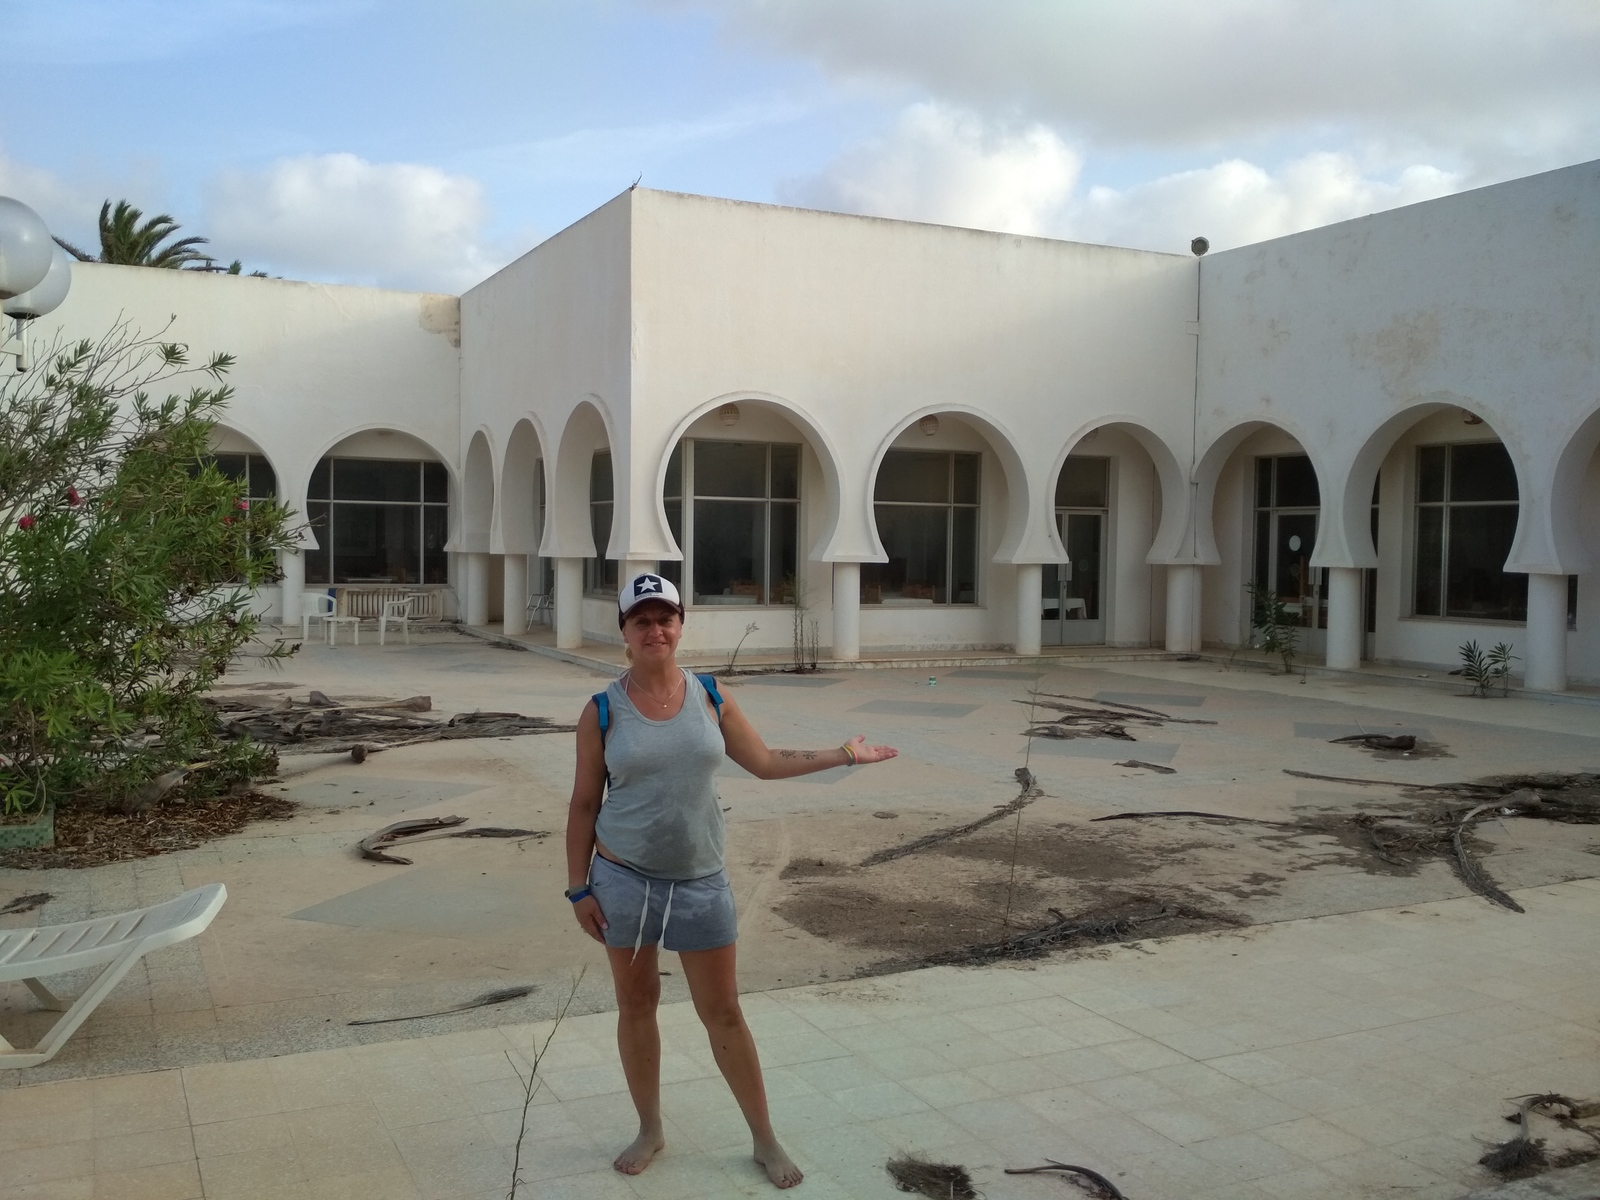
(127, 562)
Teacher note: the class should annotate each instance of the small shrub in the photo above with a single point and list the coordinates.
(127, 563)
(1484, 670)
(1271, 618)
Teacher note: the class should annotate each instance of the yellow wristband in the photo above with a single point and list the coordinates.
(849, 753)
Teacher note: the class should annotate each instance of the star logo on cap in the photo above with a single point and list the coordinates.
(647, 583)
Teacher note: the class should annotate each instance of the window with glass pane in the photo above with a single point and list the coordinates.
(377, 521)
(1467, 507)
(926, 507)
(600, 572)
(1288, 505)
(744, 541)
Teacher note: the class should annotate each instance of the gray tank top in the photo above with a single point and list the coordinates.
(662, 815)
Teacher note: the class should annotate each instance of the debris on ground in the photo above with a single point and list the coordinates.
(1103, 1188)
(23, 904)
(1084, 718)
(424, 829)
(498, 996)
(937, 1181)
(92, 837)
(1114, 926)
(1379, 741)
(323, 726)
(1569, 799)
(1146, 766)
(1525, 1155)
(1185, 812)
(1030, 792)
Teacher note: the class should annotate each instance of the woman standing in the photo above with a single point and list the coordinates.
(645, 866)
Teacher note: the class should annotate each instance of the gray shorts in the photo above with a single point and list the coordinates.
(685, 914)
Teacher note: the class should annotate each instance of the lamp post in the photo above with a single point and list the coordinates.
(35, 275)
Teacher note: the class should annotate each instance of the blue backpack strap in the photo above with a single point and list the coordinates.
(709, 682)
(602, 705)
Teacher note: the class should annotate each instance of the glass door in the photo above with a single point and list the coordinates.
(1074, 590)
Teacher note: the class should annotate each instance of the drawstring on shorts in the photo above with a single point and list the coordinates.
(644, 915)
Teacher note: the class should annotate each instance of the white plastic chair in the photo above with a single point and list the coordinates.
(118, 941)
(402, 611)
(317, 600)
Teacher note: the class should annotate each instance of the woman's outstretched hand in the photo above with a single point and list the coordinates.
(869, 754)
(590, 919)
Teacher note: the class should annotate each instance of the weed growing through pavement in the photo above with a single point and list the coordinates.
(532, 1083)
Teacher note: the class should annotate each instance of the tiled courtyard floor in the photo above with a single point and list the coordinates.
(1341, 1057)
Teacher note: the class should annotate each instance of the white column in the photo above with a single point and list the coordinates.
(1183, 609)
(514, 592)
(1030, 607)
(629, 567)
(1545, 655)
(847, 611)
(1345, 627)
(477, 589)
(569, 603)
(294, 582)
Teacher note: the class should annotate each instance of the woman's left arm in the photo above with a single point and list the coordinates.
(747, 749)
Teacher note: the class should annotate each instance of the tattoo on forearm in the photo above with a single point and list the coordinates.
(788, 754)
(808, 755)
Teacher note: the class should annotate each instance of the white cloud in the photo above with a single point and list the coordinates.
(337, 216)
(947, 166)
(70, 206)
(1237, 202)
(1504, 85)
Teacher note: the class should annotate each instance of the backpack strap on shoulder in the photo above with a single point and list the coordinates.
(709, 682)
(602, 704)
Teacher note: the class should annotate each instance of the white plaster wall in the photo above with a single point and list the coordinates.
(316, 362)
(859, 324)
(1487, 300)
(542, 338)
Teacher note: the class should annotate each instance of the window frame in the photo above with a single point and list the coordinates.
(1446, 506)
(324, 531)
(950, 505)
(689, 496)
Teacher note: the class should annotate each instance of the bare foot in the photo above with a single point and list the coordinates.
(643, 1148)
(779, 1166)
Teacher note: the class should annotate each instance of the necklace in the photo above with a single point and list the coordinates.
(629, 681)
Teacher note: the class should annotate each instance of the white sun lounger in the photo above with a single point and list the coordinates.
(118, 942)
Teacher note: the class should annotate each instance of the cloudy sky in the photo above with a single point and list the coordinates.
(424, 144)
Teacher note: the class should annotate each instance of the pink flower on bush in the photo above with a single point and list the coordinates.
(73, 498)
(25, 524)
(242, 505)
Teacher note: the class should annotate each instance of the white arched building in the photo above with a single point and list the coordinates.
(937, 438)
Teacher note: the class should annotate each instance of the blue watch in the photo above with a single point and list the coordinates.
(577, 893)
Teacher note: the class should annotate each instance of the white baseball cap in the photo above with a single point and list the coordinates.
(647, 587)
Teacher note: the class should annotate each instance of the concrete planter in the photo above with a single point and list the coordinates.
(29, 833)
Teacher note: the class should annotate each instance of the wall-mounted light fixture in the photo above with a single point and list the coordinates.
(35, 274)
(1470, 418)
(728, 414)
(929, 425)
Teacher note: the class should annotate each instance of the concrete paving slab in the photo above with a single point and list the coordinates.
(1320, 1059)
(915, 708)
(800, 681)
(382, 796)
(435, 902)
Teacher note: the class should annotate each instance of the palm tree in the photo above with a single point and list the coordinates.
(123, 239)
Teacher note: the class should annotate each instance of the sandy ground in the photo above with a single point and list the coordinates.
(313, 937)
